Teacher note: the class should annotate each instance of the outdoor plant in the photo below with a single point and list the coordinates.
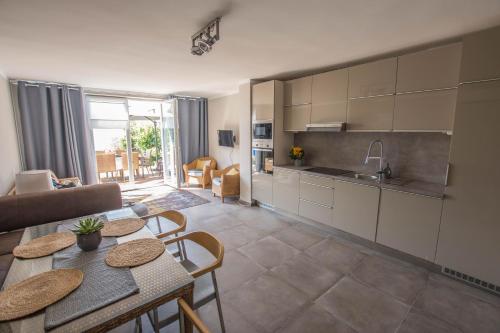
(88, 225)
(296, 153)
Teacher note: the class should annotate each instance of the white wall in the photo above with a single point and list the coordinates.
(223, 114)
(9, 152)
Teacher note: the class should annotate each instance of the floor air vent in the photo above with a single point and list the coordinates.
(472, 280)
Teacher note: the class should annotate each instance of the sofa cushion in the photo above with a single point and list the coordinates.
(200, 164)
(195, 172)
(9, 240)
(217, 181)
(232, 172)
(5, 262)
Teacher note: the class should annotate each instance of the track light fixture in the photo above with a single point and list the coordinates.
(203, 40)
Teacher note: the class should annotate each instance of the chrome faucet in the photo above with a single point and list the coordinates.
(379, 158)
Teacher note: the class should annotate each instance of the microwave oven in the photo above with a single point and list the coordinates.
(262, 130)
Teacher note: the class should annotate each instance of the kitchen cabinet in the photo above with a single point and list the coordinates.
(356, 209)
(263, 101)
(425, 111)
(431, 69)
(296, 117)
(480, 55)
(370, 114)
(286, 190)
(262, 188)
(329, 96)
(298, 91)
(469, 237)
(316, 198)
(409, 223)
(373, 79)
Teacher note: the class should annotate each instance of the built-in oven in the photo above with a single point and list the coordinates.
(262, 130)
(262, 160)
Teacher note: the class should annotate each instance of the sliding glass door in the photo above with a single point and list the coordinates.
(169, 136)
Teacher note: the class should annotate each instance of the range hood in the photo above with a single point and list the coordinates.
(326, 127)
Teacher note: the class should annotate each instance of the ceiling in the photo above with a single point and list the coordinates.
(144, 46)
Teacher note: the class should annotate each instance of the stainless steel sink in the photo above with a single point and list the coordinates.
(363, 176)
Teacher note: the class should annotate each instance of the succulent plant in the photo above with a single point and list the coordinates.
(88, 225)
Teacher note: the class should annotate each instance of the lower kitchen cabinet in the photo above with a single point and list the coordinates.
(316, 198)
(286, 190)
(409, 223)
(356, 209)
(262, 188)
(316, 212)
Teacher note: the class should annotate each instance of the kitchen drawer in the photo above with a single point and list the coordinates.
(285, 190)
(317, 180)
(316, 193)
(316, 212)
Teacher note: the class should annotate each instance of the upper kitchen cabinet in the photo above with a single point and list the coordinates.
(481, 52)
(373, 79)
(435, 68)
(425, 111)
(370, 114)
(263, 101)
(296, 117)
(298, 91)
(329, 96)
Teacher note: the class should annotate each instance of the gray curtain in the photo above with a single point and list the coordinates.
(55, 130)
(192, 115)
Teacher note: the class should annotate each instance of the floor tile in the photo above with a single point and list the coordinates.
(363, 308)
(299, 237)
(234, 322)
(237, 236)
(236, 269)
(268, 252)
(468, 313)
(401, 280)
(335, 255)
(303, 273)
(268, 224)
(219, 223)
(266, 301)
(417, 322)
(316, 320)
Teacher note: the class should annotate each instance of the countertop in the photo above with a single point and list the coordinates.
(396, 184)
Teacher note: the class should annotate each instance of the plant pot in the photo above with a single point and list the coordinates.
(89, 242)
(298, 163)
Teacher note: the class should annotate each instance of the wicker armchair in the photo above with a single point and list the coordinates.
(226, 182)
(199, 169)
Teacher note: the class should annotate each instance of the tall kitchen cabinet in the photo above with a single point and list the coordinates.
(469, 237)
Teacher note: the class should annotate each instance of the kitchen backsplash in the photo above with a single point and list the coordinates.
(417, 156)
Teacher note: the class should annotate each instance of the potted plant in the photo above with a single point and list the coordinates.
(88, 233)
(297, 155)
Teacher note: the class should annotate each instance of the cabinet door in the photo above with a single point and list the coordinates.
(373, 79)
(409, 223)
(480, 57)
(262, 188)
(356, 209)
(370, 114)
(469, 236)
(298, 91)
(425, 111)
(329, 96)
(263, 101)
(286, 190)
(435, 68)
(316, 212)
(296, 117)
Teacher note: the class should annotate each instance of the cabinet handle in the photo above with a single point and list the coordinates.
(447, 177)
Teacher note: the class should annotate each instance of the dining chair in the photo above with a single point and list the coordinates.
(205, 285)
(135, 162)
(106, 163)
(175, 217)
(186, 312)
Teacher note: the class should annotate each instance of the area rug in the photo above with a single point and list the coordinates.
(174, 200)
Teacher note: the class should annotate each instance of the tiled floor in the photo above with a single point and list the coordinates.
(280, 275)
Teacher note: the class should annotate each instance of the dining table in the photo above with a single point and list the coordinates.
(160, 281)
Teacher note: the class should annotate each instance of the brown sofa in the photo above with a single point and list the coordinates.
(25, 210)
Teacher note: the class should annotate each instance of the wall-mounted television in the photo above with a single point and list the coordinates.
(226, 138)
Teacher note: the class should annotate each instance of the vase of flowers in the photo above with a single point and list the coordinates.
(88, 233)
(297, 155)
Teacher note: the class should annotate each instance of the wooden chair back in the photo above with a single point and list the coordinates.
(135, 160)
(210, 243)
(173, 216)
(106, 162)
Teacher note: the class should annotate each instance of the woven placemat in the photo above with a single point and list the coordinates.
(37, 292)
(135, 253)
(122, 227)
(43, 246)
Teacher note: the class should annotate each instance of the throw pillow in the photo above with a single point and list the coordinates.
(201, 163)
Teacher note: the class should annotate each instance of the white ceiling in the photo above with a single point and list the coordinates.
(143, 46)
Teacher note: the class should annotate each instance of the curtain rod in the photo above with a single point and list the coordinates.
(32, 83)
(90, 93)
